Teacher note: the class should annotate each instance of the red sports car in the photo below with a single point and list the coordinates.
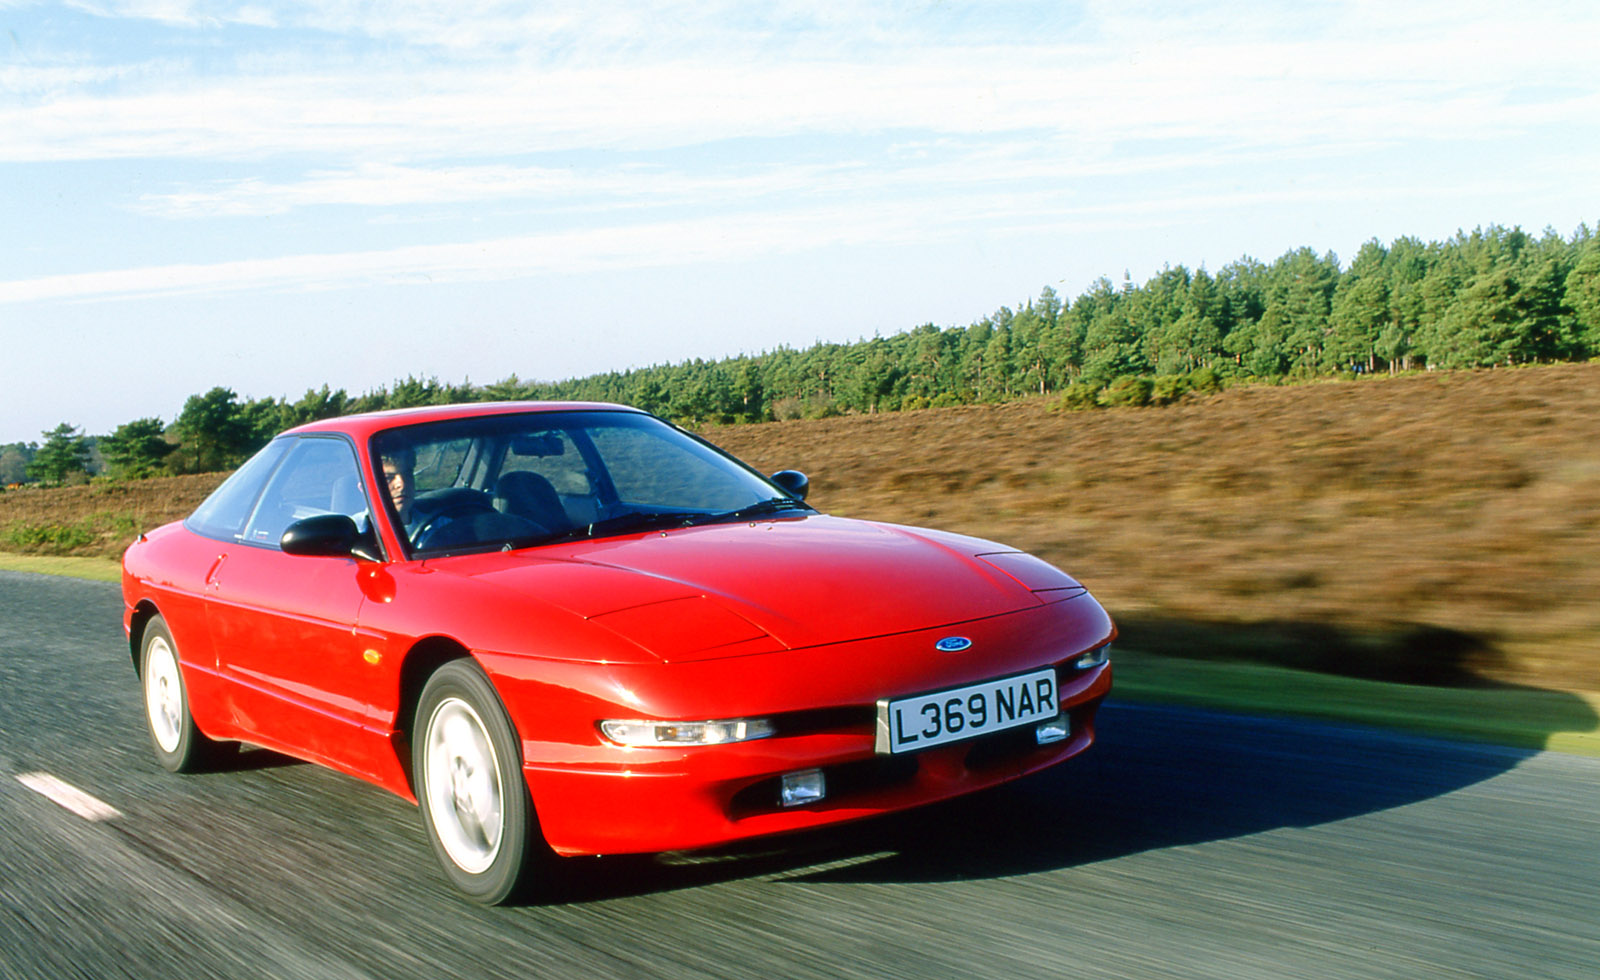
(570, 628)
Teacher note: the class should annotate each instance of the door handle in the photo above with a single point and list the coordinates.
(214, 574)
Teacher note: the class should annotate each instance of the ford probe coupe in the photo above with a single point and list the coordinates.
(571, 628)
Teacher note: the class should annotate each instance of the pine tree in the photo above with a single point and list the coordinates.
(65, 453)
(136, 449)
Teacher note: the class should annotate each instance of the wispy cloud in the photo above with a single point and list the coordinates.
(663, 243)
(1121, 75)
(724, 238)
(817, 115)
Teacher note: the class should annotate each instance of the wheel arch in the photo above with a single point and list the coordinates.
(140, 618)
(425, 656)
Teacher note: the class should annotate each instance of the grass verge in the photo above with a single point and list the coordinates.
(1562, 721)
(1524, 717)
(98, 569)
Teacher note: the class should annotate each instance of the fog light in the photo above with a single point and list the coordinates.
(800, 788)
(1054, 730)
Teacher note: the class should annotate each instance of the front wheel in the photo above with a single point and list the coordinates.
(178, 744)
(468, 775)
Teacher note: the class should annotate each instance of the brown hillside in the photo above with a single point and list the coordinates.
(1435, 527)
(1429, 527)
(96, 519)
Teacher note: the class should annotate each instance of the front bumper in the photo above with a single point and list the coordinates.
(596, 797)
(728, 793)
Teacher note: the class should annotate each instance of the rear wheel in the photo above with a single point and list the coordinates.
(178, 744)
(467, 770)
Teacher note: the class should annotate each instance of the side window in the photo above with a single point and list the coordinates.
(319, 476)
(223, 514)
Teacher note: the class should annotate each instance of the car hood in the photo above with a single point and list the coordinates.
(725, 589)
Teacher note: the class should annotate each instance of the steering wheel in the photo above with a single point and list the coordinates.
(441, 518)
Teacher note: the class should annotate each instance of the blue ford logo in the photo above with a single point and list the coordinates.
(953, 644)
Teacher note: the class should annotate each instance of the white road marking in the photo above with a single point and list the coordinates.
(69, 796)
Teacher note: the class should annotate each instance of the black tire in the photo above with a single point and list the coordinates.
(466, 765)
(179, 745)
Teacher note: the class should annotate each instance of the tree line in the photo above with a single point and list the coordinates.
(1491, 297)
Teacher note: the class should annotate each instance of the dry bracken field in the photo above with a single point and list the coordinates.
(1436, 528)
(1433, 528)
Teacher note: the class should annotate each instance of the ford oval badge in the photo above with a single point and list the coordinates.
(953, 644)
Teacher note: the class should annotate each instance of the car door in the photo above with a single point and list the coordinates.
(284, 626)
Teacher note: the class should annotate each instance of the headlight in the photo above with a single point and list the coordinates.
(1093, 658)
(636, 733)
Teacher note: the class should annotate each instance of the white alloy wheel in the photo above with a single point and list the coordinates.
(462, 785)
(178, 744)
(163, 695)
(466, 767)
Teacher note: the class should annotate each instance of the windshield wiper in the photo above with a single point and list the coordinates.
(623, 524)
(645, 520)
(771, 505)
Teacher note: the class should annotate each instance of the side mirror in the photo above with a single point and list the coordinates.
(323, 536)
(792, 482)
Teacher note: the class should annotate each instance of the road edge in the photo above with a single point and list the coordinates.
(1521, 717)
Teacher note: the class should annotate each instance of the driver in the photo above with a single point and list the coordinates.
(421, 525)
(398, 472)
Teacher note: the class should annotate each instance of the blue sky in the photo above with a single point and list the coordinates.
(274, 196)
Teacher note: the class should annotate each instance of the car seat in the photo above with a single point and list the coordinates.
(532, 497)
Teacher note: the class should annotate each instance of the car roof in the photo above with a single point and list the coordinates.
(364, 425)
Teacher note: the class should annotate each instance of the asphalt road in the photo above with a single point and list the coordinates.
(1187, 844)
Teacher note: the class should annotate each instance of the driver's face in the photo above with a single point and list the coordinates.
(401, 487)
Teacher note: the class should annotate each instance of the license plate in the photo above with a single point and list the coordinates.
(908, 724)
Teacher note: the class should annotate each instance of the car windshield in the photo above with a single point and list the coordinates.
(512, 481)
